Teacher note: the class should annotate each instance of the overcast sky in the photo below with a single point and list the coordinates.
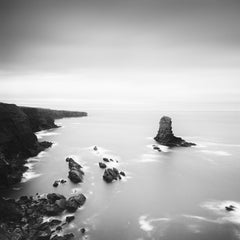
(120, 51)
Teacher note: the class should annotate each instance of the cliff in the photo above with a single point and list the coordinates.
(42, 119)
(166, 137)
(17, 139)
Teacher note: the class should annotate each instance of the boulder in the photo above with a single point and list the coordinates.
(75, 176)
(102, 165)
(110, 174)
(74, 202)
(52, 197)
(166, 137)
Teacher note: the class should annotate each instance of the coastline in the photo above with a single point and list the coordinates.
(18, 140)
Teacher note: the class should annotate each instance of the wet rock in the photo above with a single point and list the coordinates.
(55, 184)
(105, 159)
(63, 181)
(52, 209)
(157, 148)
(166, 137)
(95, 148)
(74, 202)
(230, 208)
(110, 174)
(52, 197)
(102, 165)
(122, 173)
(54, 222)
(83, 230)
(58, 228)
(69, 219)
(75, 174)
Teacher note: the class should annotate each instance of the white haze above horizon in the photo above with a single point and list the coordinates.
(148, 54)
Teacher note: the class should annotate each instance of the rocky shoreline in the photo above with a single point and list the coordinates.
(17, 139)
(24, 218)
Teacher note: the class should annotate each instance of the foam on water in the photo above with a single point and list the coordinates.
(146, 224)
(216, 152)
(46, 133)
(218, 207)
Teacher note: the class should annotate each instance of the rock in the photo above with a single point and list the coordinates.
(63, 181)
(166, 137)
(55, 184)
(95, 148)
(83, 230)
(110, 175)
(122, 173)
(58, 228)
(75, 174)
(74, 202)
(105, 159)
(52, 197)
(54, 222)
(69, 219)
(52, 209)
(61, 203)
(102, 165)
(69, 236)
(230, 208)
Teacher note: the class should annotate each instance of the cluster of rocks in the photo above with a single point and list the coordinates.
(230, 208)
(60, 181)
(23, 218)
(166, 137)
(155, 147)
(110, 174)
(75, 174)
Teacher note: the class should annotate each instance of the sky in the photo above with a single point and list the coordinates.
(121, 52)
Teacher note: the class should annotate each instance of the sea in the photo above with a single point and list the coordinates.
(175, 194)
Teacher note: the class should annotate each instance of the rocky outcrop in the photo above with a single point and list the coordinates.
(24, 218)
(166, 137)
(75, 174)
(17, 139)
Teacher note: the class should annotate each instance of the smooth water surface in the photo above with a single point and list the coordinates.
(178, 193)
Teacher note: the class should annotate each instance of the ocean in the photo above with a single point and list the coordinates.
(176, 194)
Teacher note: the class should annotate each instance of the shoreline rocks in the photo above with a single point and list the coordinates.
(23, 218)
(166, 137)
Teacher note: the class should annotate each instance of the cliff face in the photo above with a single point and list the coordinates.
(17, 139)
(41, 119)
(166, 137)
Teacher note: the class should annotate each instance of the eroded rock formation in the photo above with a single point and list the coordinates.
(166, 137)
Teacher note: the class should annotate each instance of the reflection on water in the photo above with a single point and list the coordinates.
(178, 193)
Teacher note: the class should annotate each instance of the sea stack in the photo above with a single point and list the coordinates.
(166, 137)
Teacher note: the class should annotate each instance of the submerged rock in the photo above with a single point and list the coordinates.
(95, 148)
(69, 219)
(166, 137)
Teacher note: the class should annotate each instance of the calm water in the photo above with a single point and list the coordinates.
(176, 194)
